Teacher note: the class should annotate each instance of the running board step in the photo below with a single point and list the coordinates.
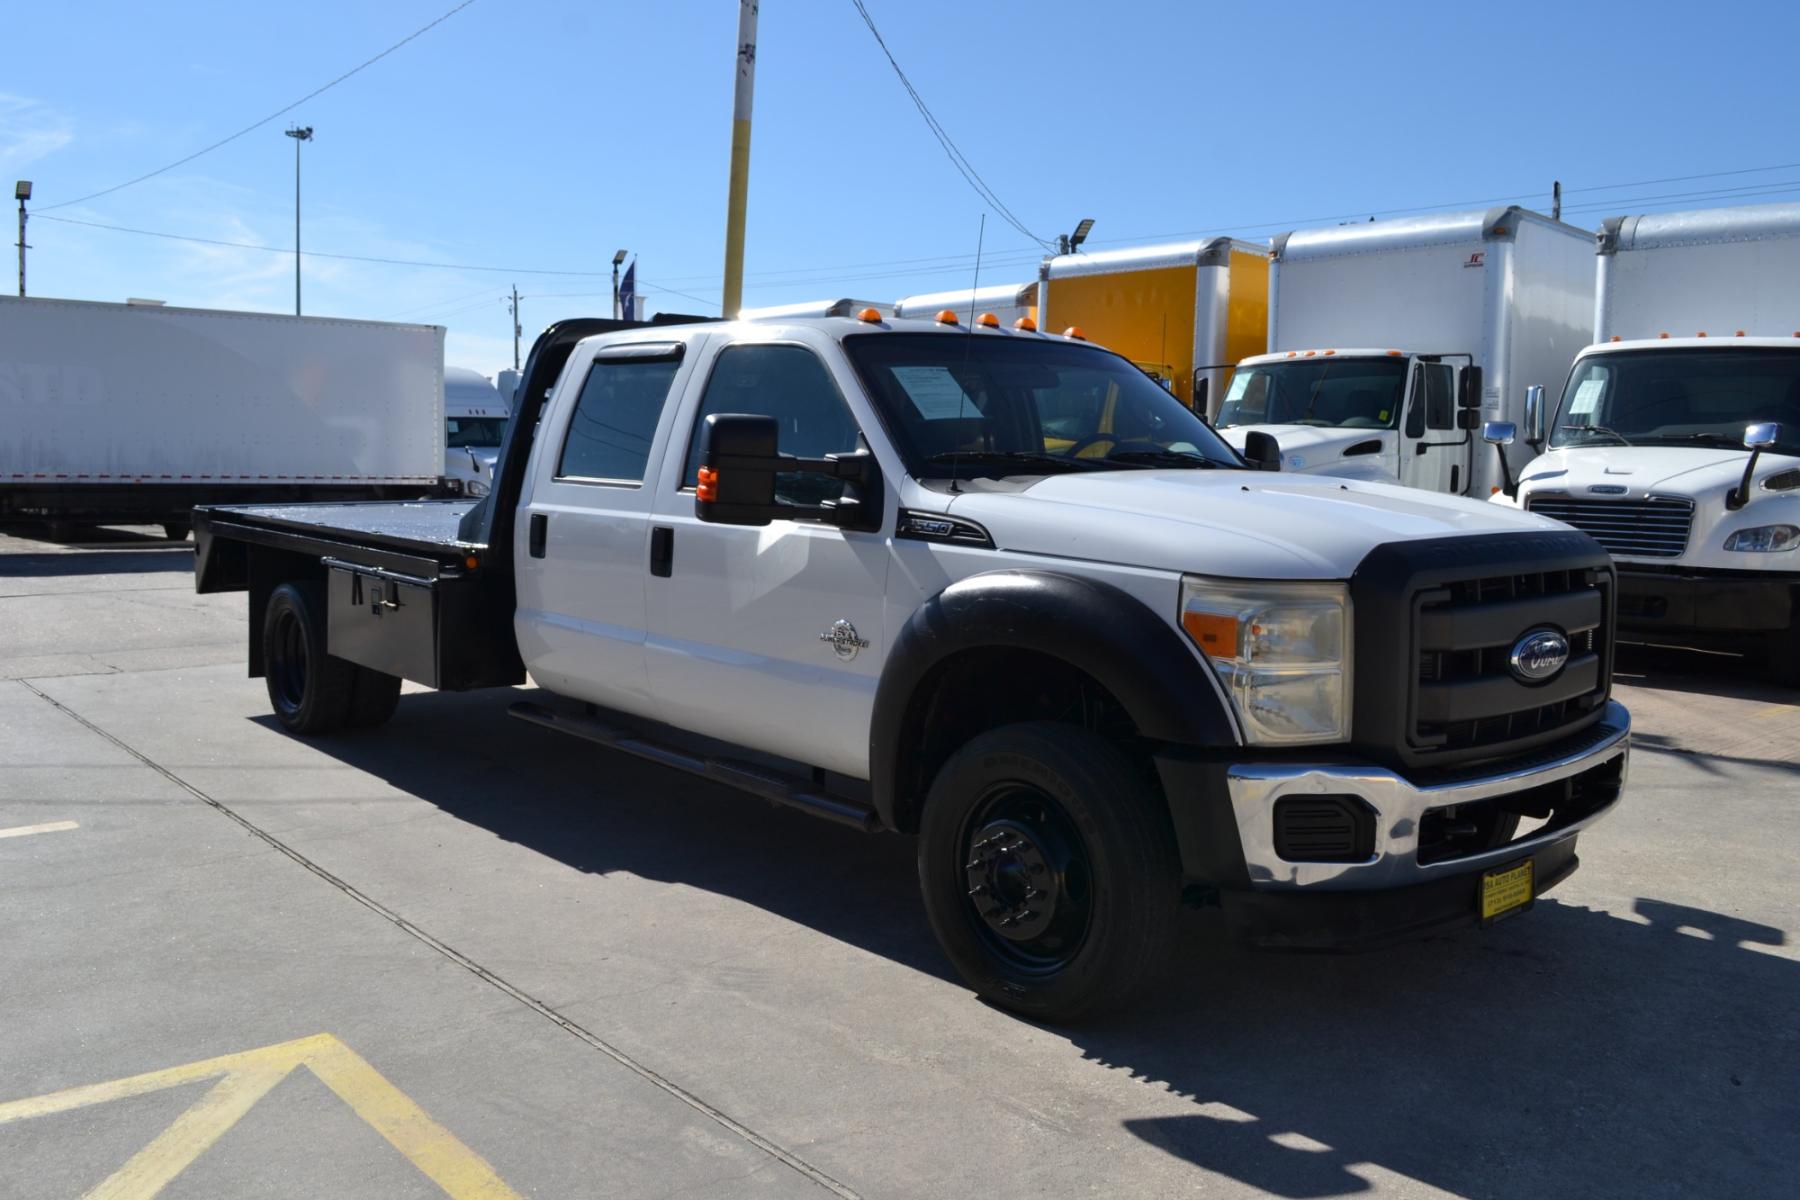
(762, 781)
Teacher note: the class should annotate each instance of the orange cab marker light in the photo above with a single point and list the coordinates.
(1740, 333)
(1291, 353)
(988, 321)
(946, 316)
(708, 490)
(1025, 325)
(1702, 333)
(1395, 354)
(1663, 334)
(1617, 338)
(1309, 354)
(1213, 633)
(871, 315)
(1074, 331)
(1329, 353)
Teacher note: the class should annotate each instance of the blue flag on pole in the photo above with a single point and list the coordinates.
(628, 293)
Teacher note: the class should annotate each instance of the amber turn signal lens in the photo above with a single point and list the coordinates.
(708, 490)
(1211, 632)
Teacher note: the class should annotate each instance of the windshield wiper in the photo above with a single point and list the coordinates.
(1012, 458)
(1612, 433)
(1161, 458)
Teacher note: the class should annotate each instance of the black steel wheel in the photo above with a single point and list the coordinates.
(310, 691)
(1049, 872)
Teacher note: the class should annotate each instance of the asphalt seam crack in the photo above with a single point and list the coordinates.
(649, 1075)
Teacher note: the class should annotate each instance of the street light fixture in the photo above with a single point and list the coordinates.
(22, 193)
(617, 260)
(299, 134)
(1071, 242)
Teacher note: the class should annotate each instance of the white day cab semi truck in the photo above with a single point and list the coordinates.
(475, 415)
(1676, 442)
(136, 413)
(998, 589)
(1391, 341)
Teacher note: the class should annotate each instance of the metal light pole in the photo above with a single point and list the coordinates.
(299, 135)
(740, 159)
(617, 259)
(22, 193)
(515, 323)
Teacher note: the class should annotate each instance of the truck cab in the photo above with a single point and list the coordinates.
(1387, 416)
(1682, 457)
(475, 415)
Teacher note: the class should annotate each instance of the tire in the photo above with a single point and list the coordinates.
(310, 691)
(177, 531)
(373, 698)
(1054, 810)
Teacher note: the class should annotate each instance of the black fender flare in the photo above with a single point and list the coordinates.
(1163, 684)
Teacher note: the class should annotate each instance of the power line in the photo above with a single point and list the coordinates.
(259, 124)
(957, 160)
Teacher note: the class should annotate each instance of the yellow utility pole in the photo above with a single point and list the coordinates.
(740, 159)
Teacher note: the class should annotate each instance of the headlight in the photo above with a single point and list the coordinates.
(475, 487)
(1283, 652)
(1764, 539)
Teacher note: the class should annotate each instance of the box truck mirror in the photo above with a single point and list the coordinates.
(1534, 415)
(1468, 418)
(1468, 392)
(1757, 438)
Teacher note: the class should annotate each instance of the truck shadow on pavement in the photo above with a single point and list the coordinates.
(154, 558)
(1565, 1052)
(1699, 673)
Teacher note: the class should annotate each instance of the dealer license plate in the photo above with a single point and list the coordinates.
(1506, 890)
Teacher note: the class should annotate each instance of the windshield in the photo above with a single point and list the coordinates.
(1345, 393)
(982, 405)
(1680, 398)
(481, 433)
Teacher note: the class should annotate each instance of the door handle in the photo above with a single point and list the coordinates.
(540, 533)
(662, 551)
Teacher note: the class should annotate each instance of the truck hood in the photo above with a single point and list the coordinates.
(471, 462)
(1247, 524)
(1305, 447)
(1641, 470)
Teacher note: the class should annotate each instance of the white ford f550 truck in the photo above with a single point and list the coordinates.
(1676, 443)
(999, 590)
(1390, 340)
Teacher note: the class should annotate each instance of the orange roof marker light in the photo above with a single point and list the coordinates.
(871, 315)
(1395, 354)
(1074, 331)
(1740, 333)
(946, 316)
(1663, 334)
(1702, 333)
(988, 321)
(1292, 353)
(1617, 338)
(1309, 354)
(1025, 325)
(1329, 353)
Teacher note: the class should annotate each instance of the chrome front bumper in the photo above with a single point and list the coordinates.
(1399, 807)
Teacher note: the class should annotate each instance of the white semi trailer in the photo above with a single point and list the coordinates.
(126, 412)
(1390, 340)
(1676, 443)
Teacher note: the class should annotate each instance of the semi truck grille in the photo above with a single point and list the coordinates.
(1656, 527)
(1437, 623)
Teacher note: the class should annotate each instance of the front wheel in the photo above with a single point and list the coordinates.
(1049, 871)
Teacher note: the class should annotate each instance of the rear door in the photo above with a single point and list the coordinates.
(582, 535)
(1434, 453)
(770, 636)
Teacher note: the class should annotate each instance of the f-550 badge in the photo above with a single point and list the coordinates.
(844, 642)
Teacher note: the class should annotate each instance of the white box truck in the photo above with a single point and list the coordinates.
(126, 412)
(1676, 443)
(1389, 339)
(475, 414)
(1009, 302)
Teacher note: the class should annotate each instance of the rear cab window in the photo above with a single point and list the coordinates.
(615, 416)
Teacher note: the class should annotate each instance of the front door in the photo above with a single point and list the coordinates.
(583, 526)
(1434, 453)
(771, 636)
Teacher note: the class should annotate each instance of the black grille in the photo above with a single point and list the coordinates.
(1654, 528)
(1467, 694)
(1330, 828)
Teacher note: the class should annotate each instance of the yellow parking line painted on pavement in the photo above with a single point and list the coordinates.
(1775, 710)
(248, 1077)
(49, 827)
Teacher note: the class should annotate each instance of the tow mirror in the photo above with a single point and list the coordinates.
(1534, 415)
(1500, 435)
(1468, 389)
(1262, 451)
(740, 458)
(1758, 437)
(1468, 418)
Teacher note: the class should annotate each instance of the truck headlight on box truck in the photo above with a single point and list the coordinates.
(1282, 651)
(1764, 539)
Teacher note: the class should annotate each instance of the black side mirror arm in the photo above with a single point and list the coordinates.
(1739, 496)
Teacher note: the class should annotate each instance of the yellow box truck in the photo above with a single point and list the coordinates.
(1184, 312)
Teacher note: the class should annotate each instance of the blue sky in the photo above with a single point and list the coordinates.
(541, 135)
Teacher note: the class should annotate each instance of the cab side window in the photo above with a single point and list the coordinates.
(1440, 396)
(614, 420)
(790, 384)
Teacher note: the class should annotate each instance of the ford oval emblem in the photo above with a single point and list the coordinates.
(1539, 655)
